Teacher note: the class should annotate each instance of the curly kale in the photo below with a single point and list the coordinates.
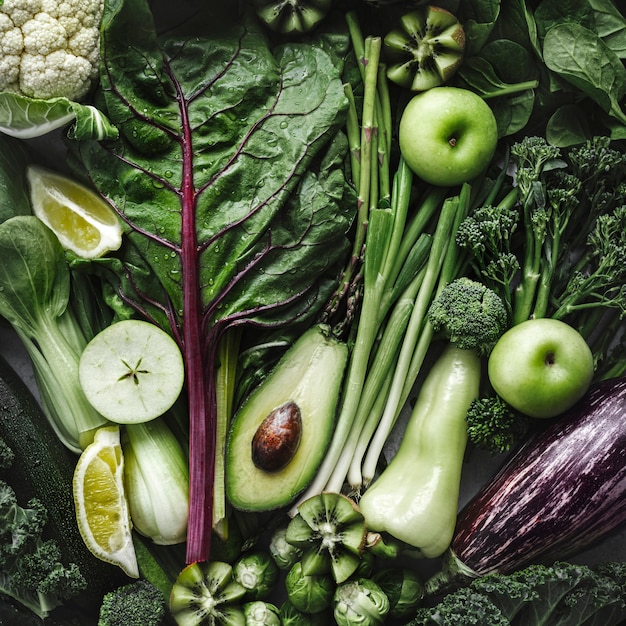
(464, 607)
(31, 570)
(561, 593)
(138, 602)
(494, 425)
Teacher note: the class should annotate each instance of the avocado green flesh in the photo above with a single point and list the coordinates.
(309, 374)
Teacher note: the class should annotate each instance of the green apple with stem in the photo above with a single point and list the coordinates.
(447, 135)
(541, 367)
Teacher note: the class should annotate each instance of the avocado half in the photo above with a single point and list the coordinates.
(292, 413)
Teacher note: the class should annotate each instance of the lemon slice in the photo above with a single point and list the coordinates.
(83, 222)
(131, 372)
(100, 501)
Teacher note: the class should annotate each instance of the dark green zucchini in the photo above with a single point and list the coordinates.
(43, 468)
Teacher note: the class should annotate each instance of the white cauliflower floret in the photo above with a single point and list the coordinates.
(49, 48)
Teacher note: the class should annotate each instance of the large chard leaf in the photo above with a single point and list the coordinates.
(229, 175)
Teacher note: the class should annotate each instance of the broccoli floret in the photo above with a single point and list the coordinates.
(139, 602)
(534, 154)
(487, 235)
(471, 315)
(494, 425)
(31, 571)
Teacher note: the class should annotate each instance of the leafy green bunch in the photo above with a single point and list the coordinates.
(561, 593)
(31, 570)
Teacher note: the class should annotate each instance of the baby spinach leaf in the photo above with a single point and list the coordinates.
(568, 126)
(610, 25)
(478, 18)
(506, 73)
(228, 174)
(550, 13)
(580, 57)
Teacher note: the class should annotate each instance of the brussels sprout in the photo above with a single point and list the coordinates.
(290, 616)
(259, 613)
(360, 601)
(257, 573)
(404, 589)
(309, 594)
(284, 554)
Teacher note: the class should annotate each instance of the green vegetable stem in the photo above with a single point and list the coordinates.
(156, 478)
(34, 298)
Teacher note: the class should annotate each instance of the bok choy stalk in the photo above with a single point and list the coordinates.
(156, 478)
(235, 206)
(34, 298)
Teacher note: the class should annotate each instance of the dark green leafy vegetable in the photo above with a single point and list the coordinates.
(228, 201)
(579, 56)
(32, 569)
(561, 593)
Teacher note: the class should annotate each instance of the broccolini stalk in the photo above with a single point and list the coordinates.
(532, 155)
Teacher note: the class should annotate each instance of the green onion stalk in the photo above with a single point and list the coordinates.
(392, 253)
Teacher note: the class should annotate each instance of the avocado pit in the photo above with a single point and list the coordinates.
(277, 438)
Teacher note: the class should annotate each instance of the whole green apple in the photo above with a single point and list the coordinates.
(541, 367)
(447, 135)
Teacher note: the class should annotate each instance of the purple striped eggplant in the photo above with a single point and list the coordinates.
(561, 492)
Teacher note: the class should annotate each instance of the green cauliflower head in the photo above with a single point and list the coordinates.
(49, 48)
